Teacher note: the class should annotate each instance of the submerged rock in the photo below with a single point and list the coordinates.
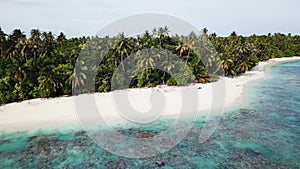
(246, 111)
(251, 152)
(258, 152)
(160, 163)
(88, 165)
(118, 164)
(80, 133)
(4, 142)
(29, 139)
(138, 133)
(145, 134)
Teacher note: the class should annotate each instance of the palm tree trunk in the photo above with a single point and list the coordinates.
(122, 59)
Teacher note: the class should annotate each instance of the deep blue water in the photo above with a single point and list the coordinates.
(265, 135)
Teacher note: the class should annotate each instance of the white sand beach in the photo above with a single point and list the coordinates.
(61, 112)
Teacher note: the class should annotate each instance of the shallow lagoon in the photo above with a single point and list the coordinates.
(265, 137)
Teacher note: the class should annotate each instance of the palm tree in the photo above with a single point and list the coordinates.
(147, 40)
(15, 40)
(233, 34)
(49, 82)
(184, 50)
(35, 42)
(162, 33)
(123, 48)
(227, 65)
(61, 38)
(2, 41)
(146, 60)
(48, 44)
(16, 53)
(247, 58)
(167, 64)
(205, 31)
(77, 79)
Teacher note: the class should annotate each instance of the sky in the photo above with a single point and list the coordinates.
(86, 17)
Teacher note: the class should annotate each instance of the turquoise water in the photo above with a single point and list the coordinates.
(265, 135)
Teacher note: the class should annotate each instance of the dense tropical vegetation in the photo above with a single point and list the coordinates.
(42, 65)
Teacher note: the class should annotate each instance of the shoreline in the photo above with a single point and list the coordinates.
(59, 113)
(260, 71)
